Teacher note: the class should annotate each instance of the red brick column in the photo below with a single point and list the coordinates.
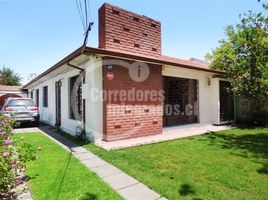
(124, 119)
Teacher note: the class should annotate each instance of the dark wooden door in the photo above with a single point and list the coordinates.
(226, 102)
(58, 102)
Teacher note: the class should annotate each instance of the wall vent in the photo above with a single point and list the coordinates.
(116, 12)
(154, 49)
(137, 124)
(153, 25)
(137, 45)
(116, 41)
(136, 19)
(127, 111)
(126, 29)
(117, 126)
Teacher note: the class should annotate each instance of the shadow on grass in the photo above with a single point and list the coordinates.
(186, 189)
(77, 140)
(248, 145)
(64, 138)
(58, 182)
(64, 174)
(263, 170)
(27, 177)
(89, 196)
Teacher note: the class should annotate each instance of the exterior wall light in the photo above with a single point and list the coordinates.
(110, 68)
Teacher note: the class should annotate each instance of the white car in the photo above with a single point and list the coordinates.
(21, 110)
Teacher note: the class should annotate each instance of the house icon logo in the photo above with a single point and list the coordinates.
(139, 71)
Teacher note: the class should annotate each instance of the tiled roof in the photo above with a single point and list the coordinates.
(161, 60)
(185, 62)
(191, 64)
(10, 88)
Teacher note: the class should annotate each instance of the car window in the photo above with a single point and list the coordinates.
(20, 102)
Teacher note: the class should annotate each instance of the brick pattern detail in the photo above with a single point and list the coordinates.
(125, 31)
(181, 91)
(128, 118)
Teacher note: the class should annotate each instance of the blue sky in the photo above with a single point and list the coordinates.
(35, 34)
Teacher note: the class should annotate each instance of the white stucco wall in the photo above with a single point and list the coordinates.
(68, 125)
(206, 95)
(94, 109)
(48, 114)
(92, 90)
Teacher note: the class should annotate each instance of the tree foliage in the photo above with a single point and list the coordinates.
(243, 55)
(9, 77)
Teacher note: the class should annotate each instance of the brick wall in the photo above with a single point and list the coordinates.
(125, 31)
(127, 118)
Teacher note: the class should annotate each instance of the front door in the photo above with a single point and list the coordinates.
(226, 103)
(181, 101)
(58, 102)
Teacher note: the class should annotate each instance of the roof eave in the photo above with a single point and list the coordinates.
(71, 56)
(90, 50)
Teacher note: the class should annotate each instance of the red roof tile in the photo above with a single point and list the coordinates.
(10, 88)
(161, 60)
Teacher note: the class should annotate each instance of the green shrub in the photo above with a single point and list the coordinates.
(12, 160)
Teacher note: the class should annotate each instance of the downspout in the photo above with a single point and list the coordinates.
(71, 65)
(82, 72)
(76, 67)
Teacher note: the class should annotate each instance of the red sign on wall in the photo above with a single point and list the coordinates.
(110, 76)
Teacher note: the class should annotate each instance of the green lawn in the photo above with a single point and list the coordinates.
(58, 175)
(229, 164)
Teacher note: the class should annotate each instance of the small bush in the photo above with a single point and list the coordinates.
(80, 133)
(248, 113)
(12, 160)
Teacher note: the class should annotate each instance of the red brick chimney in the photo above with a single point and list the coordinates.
(122, 30)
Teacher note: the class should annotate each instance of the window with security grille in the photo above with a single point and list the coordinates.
(77, 94)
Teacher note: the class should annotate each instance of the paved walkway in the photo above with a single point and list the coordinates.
(128, 187)
(169, 133)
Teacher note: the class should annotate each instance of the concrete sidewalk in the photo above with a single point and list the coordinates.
(128, 187)
(169, 133)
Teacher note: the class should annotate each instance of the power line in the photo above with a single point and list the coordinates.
(85, 17)
(89, 11)
(86, 11)
(80, 15)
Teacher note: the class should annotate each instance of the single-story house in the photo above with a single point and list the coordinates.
(126, 88)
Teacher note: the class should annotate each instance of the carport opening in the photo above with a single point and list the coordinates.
(6, 96)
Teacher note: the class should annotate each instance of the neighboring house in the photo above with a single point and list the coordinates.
(7, 91)
(129, 59)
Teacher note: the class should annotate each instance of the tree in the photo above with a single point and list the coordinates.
(9, 77)
(31, 76)
(243, 56)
